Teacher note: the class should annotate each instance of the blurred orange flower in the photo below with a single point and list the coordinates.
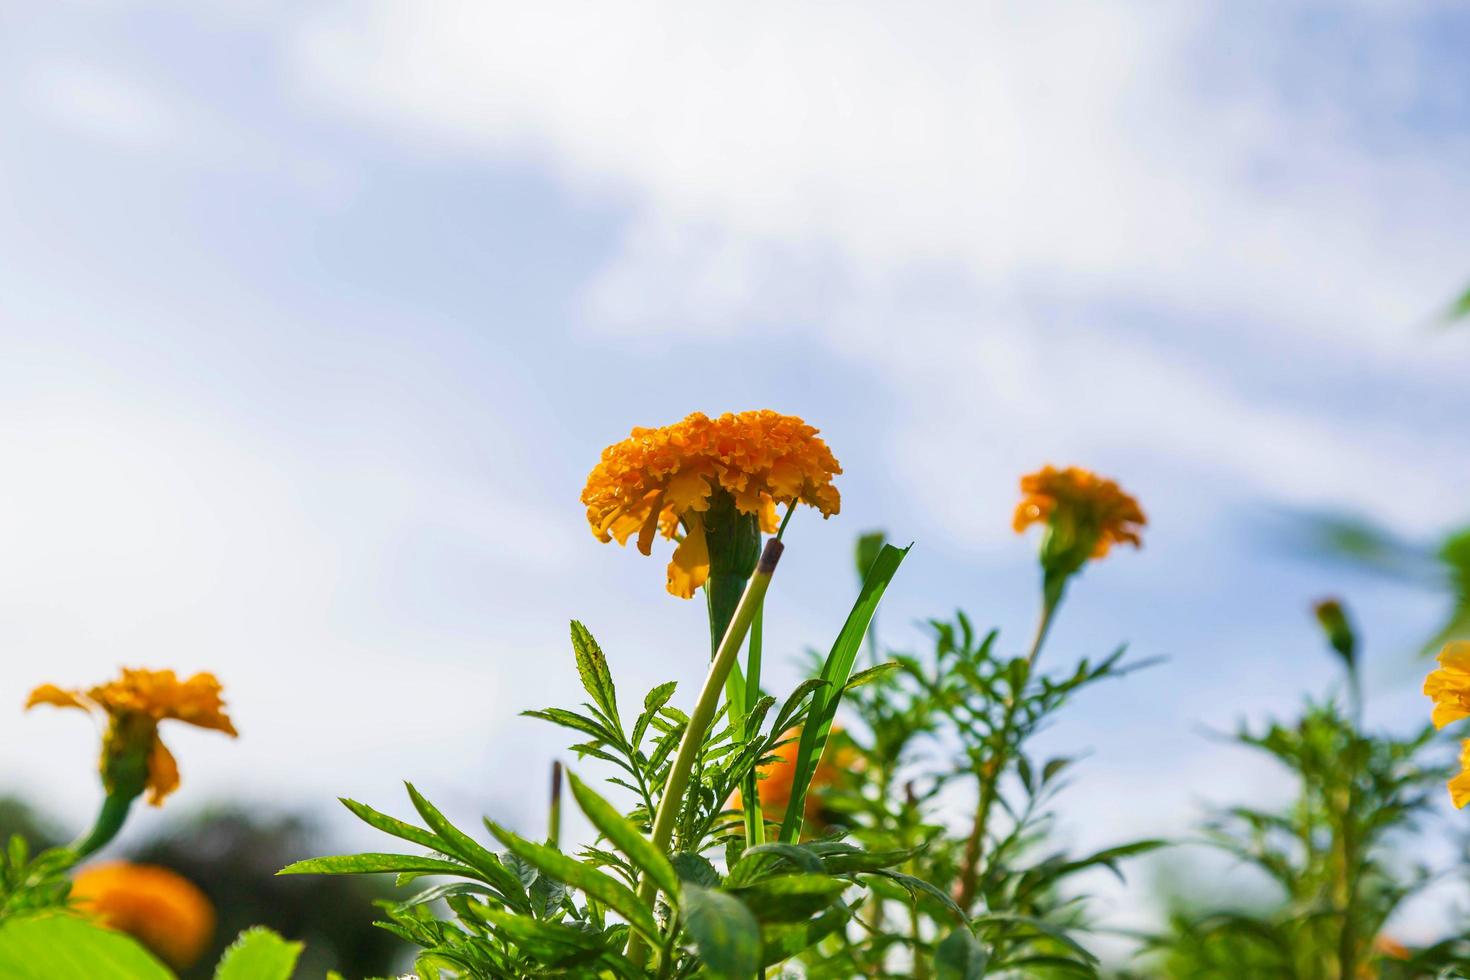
(1082, 505)
(134, 704)
(659, 479)
(776, 783)
(1449, 686)
(161, 909)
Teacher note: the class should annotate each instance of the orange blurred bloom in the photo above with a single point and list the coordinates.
(659, 479)
(775, 786)
(134, 704)
(1082, 505)
(161, 909)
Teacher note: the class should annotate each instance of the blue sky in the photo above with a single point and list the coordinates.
(316, 316)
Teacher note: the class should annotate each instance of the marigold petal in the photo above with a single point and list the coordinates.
(689, 567)
(1456, 656)
(1446, 713)
(689, 490)
(53, 695)
(163, 772)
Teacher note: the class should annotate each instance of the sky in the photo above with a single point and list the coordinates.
(316, 315)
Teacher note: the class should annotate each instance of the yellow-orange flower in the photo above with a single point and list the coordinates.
(1459, 784)
(776, 785)
(658, 480)
(134, 704)
(161, 909)
(1449, 686)
(1089, 507)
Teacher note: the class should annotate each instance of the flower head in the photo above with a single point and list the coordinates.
(161, 909)
(133, 756)
(1449, 686)
(1085, 515)
(658, 481)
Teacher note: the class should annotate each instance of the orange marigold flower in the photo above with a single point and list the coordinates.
(1459, 784)
(775, 786)
(658, 480)
(161, 909)
(1449, 686)
(134, 704)
(1091, 508)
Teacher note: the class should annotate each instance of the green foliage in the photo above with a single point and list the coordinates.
(1329, 855)
(836, 670)
(63, 946)
(33, 884)
(258, 954)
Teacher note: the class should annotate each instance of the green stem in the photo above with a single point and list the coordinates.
(699, 721)
(755, 822)
(109, 821)
(990, 777)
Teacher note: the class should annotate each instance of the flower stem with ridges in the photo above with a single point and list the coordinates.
(699, 721)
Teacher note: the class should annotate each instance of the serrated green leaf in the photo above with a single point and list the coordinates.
(695, 868)
(626, 837)
(572, 720)
(607, 890)
(593, 670)
(469, 850)
(871, 674)
(726, 935)
(392, 825)
(373, 863)
(258, 954)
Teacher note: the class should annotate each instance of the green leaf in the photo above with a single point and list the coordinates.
(865, 862)
(755, 861)
(870, 675)
(626, 838)
(960, 957)
(607, 890)
(695, 868)
(258, 954)
(788, 898)
(550, 937)
(835, 671)
(592, 668)
(368, 864)
(725, 933)
(574, 721)
(917, 886)
(469, 850)
(392, 825)
(1037, 925)
(783, 940)
(62, 946)
(869, 546)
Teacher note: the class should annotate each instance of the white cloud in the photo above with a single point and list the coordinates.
(103, 104)
(809, 163)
